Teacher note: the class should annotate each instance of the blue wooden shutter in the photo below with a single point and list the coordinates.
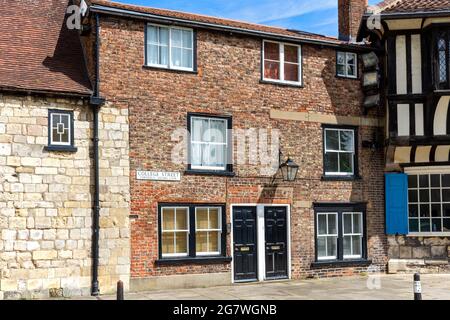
(396, 203)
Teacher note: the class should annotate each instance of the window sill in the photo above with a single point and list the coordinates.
(209, 173)
(61, 149)
(346, 78)
(429, 234)
(282, 84)
(188, 260)
(340, 263)
(341, 178)
(170, 70)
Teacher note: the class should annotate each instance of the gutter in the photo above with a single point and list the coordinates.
(218, 27)
(409, 15)
(96, 102)
(45, 92)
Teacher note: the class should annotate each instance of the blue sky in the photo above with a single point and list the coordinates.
(318, 16)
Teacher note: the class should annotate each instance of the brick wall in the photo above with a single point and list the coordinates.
(46, 204)
(228, 83)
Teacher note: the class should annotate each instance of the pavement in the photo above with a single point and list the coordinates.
(375, 287)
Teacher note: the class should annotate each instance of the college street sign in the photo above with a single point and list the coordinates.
(158, 176)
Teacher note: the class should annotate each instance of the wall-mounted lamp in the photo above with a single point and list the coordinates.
(289, 169)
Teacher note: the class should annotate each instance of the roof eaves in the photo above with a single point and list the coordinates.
(17, 89)
(95, 8)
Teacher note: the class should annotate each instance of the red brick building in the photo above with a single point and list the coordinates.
(201, 212)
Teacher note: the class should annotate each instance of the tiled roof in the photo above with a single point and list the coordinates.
(402, 6)
(37, 51)
(218, 21)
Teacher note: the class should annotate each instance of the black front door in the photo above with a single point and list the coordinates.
(245, 249)
(276, 242)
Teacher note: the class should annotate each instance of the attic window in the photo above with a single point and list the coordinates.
(60, 131)
(282, 63)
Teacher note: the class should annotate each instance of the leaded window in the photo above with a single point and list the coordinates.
(60, 131)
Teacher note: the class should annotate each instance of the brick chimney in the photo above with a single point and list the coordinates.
(350, 14)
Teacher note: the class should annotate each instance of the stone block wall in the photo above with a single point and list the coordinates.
(46, 200)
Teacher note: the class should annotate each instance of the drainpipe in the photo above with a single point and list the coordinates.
(96, 102)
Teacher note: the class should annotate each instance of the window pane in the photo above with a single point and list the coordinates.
(65, 120)
(351, 71)
(424, 195)
(424, 210)
(181, 242)
(346, 162)
(65, 136)
(152, 34)
(164, 56)
(357, 223)
(341, 58)
(332, 140)
(413, 210)
(446, 225)
(214, 218)
(187, 58)
(332, 224)
(446, 210)
(446, 195)
(187, 39)
(199, 129)
(202, 218)
(164, 36)
(218, 131)
(331, 246)
(167, 244)
(168, 219)
(412, 196)
(413, 225)
(55, 136)
(356, 245)
(412, 181)
(322, 222)
(347, 223)
(214, 241)
(291, 54)
(424, 225)
(182, 219)
(435, 195)
(201, 240)
(347, 141)
(152, 54)
(436, 225)
(436, 210)
(176, 35)
(216, 156)
(291, 72)
(435, 180)
(446, 180)
(341, 70)
(272, 70)
(423, 181)
(176, 57)
(321, 247)
(331, 162)
(271, 51)
(196, 154)
(347, 245)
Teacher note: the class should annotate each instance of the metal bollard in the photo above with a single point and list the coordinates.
(417, 287)
(120, 290)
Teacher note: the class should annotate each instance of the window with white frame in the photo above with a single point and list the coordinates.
(352, 234)
(339, 153)
(429, 203)
(209, 143)
(282, 62)
(327, 236)
(170, 47)
(174, 231)
(340, 232)
(347, 64)
(208, 230)
(60, 134)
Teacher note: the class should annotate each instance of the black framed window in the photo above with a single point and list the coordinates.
(340, 232)
(210, 144)
(347, 64)
(340, 151)
(442, 58)
(192, 231)
(61, 131)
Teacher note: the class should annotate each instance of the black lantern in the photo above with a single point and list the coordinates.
(289, 170)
